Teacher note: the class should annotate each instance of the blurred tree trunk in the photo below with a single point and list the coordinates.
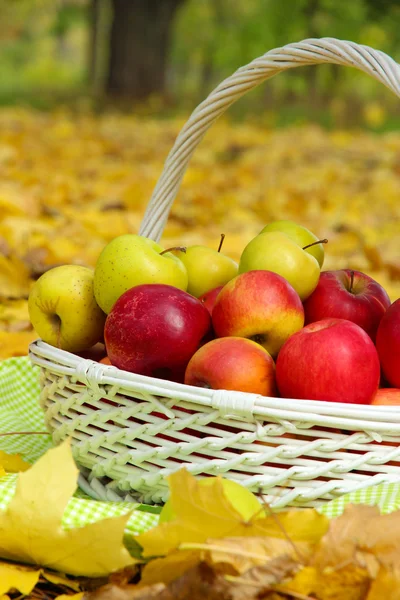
(93, 41)
(139, 45)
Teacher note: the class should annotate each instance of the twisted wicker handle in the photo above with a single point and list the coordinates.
(312, 51)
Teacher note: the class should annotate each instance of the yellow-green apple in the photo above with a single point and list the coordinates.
(347, 294)
(130, 260)
(207, 268)
(299, 234)
(232, 363)
(387, 396)
(388, 344)
(209, 298)
(63, 309)
(333, 360)
(275, 251)
(261, 306)
(154, 329)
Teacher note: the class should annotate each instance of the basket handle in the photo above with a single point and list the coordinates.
(308, 52)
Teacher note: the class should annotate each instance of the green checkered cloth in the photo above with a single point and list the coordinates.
(20, 411)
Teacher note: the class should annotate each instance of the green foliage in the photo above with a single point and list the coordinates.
(44, 54)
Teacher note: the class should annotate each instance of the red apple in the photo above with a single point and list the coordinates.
(210, 297)
(154, 329)
(332, 359)
(233, 363)
(388, 344)
(387, 396)
(347, 294)
(259, 305)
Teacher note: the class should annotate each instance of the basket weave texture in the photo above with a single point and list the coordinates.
(129, 431)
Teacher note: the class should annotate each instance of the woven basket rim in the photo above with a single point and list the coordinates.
(43, 354)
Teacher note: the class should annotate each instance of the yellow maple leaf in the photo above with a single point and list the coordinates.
(203, 512)
(17, 577)
(170, 567)
(386, 585)
(13, 463)
(59, 579)
(31, 531)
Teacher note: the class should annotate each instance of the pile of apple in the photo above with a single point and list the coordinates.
(274, 324)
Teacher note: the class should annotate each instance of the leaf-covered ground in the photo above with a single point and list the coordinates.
(211, 543)
(71, 182)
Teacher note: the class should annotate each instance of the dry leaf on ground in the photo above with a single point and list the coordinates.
(13, 463)
(62, 198)
(203, 512)
(31, 531)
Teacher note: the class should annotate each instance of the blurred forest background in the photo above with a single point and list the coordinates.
(94, 92)
(169, 54)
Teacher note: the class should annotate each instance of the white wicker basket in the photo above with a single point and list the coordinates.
(129, 431)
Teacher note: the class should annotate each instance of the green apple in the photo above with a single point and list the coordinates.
(299, 234)
(207, 269)
(130, 260)
(277, 252)
(63, 309)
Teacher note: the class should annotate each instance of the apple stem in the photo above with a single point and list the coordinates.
(325, 241)
(351, 281)
(177, 248)
(221, 242)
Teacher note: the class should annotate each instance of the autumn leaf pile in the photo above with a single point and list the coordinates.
(69, 183)
(212, 545)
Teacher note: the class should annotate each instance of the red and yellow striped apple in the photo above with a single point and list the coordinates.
(233, 363)
(261, 306)
(387, 397)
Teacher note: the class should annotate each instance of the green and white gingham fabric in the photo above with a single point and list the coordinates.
(20, 411)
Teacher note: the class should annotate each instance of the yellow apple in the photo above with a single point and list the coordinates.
(275, 251)
(299, 234)
(207, 269)
(130, 260)
(63, 309)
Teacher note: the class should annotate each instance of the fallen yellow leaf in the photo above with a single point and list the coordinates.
(203, 512)
(21, 578)
(77, 596)
(31, 531)
(13, 463)
(58, 579)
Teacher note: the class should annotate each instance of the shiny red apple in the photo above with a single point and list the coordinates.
(333, 360)
(154, 329)
(261, 306)
(233, 363)
(347, 294)
(388, 344)
(209, 298)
